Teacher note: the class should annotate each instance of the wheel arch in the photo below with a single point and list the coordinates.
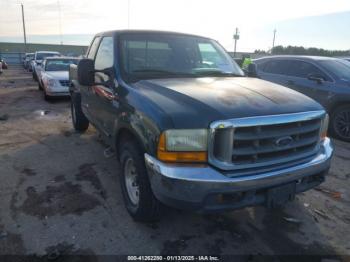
(126, 132)
(337, 104)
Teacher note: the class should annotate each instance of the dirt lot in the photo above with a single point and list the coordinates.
(59, 194)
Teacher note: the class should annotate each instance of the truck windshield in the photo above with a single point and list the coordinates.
(147, 56)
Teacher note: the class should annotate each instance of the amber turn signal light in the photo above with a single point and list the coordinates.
(173, 157)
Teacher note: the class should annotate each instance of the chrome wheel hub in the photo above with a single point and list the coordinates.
(131, 181)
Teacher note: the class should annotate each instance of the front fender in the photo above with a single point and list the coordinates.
(139, 126)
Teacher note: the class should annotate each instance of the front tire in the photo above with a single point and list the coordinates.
(80, 122)
(35, 77)
(136, 189)
(47, 97)
(40, 87)
(340, 123)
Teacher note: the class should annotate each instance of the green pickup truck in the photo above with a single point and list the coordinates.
(190, 130)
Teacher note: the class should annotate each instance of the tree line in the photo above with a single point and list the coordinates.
(299, 50)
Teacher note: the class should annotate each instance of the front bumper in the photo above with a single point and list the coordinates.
(205, 188)
(57, 92)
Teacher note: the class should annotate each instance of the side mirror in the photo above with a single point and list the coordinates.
(85, 72)
(252, 70)
(317, 78)
(38, 63)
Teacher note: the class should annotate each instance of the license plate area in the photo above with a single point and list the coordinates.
(280, 195)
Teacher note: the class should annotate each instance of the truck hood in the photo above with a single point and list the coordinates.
(59, 75)
(196, 102)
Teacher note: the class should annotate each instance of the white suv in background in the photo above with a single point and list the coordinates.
(39, 56)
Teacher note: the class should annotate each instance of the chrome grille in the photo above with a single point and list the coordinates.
(64, 82)
(265, 142)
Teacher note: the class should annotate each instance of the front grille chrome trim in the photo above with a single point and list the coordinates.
(229, 126)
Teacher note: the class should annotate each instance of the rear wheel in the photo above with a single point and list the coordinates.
(340, 122)
(80, 122)
(137, 193)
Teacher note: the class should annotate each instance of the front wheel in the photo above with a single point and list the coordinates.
(80, 122)
(340, 123)
(137, 193)
(35, 77)
(47, 97)
(40, 86)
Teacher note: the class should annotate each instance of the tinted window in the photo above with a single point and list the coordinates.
(340, 68)
(93, 48)
(276, 67)
(105, 54)
(303, 69)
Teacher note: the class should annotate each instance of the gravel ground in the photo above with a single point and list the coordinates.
(60, 195)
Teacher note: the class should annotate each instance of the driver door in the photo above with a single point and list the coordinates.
(298, 80)
(86, 92)
(104, 96)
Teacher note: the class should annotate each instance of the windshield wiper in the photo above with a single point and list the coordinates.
(215, 73)
(159, 71)
(143, 74)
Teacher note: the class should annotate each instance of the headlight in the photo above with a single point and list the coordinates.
(324, 127)
(51, 82)
(184, 145)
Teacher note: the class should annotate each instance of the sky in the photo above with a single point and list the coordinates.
(309, 23)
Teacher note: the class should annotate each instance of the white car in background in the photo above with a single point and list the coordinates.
(36, 63)
(54, 77)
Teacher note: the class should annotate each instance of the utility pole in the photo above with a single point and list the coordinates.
(60, 21)
(235, 37)
(129, 14)
(274, 38)
(24, 30)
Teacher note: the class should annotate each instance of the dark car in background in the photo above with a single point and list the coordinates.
(347, 58)
(28, 57)
(3, 64)
(326, 80)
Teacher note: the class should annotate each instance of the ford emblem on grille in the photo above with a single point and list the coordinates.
(283, 141)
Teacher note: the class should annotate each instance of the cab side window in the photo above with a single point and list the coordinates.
(92, 51)
(105, 54)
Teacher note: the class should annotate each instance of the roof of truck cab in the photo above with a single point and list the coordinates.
(120, 32)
